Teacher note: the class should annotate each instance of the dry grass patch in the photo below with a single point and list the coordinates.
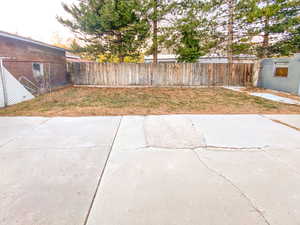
(75, 101)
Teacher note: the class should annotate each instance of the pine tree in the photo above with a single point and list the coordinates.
(228, 25)
(157, 13)
(114, 28)
(193, 32)
(273, 21)
(230, 37)
(289, 45)
(155, 31)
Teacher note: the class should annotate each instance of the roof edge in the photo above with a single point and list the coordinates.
(20, 38)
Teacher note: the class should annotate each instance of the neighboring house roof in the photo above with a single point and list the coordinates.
(29, 40)
(79, 60)
(70, 55)
(75, 58)
(173, 57)
(162, 56)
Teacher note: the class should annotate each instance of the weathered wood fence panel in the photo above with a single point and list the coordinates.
(162, 74)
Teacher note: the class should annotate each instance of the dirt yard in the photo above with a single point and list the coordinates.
(78, 101)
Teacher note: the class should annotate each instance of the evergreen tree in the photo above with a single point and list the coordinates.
(193, 32)
(289, 45)
(260, 27)
(189, 48)
(274, 21)
(108, 27)
(158, 15)
(229, 25)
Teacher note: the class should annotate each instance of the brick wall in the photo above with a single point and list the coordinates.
(23, 54)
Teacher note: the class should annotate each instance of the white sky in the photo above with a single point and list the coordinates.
(34, 18)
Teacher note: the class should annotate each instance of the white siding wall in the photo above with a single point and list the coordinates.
(16, 92)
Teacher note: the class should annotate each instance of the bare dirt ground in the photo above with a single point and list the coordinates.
(83, 101)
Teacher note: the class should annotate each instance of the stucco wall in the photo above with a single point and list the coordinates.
(287, 84)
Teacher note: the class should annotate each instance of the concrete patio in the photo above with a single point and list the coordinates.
(150, 170)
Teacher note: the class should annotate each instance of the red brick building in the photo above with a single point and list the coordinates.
(36, 61)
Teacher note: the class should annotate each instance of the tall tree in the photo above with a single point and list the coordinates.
(157, 13)
(270, 20)
(193, 32)
(230, 36)
(226, 19)
(225, 14)
(109, 27)
(155, 31)
(290, 44)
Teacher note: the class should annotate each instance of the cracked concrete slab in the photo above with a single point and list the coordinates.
(246, 171)
(272, 186)
(292, 120)
(158, 132)
(245, 131)
(172, 132)
(167, 187)
(197, 131)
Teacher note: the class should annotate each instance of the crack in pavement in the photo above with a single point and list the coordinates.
(234, 149)
(173, 134)
(204, 144)
(203, 148)
(235, 186)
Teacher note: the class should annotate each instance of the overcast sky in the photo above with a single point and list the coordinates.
(34, 18)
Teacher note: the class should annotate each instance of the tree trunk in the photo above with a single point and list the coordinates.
(155, 33)
(266, 39)
(119, 41)
(230, 35)
(121, 58)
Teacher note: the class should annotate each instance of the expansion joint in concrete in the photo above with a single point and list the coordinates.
(260, 213)
(102, 173)
(282, 123)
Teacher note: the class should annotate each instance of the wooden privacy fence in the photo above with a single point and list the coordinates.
(162, 74)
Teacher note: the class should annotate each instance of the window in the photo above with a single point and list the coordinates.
(37, 66)
(281, 69)
(38, 70)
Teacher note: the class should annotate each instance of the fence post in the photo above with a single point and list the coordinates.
(152, 73)
(256, 73)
